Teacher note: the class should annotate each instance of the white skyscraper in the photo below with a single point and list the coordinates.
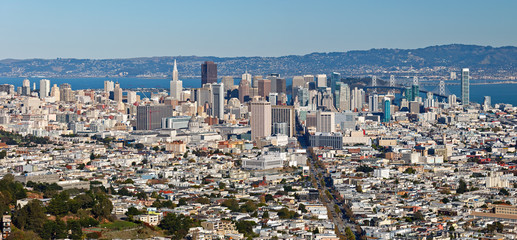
(176, 84)
(109, 86)
(357, 99)
(44, 88)
(246, 76)
(321, 80)
(131, 97)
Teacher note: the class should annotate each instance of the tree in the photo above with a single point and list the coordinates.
(462, 187)
(182, 202)
(58, 205)
(419, 216)
(265, 215)
(3, 154)
(203, 200)
(503, 191)
(231, 204)
(141, 196)
(54, 230)
(132, 211)
(248, 207)
(410, 170)
(246, 228)
(31, 217)
(76, 231)
(177, 225)
(349, 235)
(359, 188)
(103, 208)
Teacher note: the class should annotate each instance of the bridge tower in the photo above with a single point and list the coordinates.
(374, 83)
(442, 88)
(392, 84)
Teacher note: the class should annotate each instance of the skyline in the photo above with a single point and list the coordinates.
(118, 29)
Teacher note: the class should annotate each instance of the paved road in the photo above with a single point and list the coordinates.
(338, 217)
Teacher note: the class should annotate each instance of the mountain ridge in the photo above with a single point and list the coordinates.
(485, 61)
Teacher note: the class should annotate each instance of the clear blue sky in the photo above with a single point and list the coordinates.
(126, 28)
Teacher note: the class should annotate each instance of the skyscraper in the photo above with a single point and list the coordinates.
(283, 114)
(387, 110)
(131, 97)
(321, 80)
(335, 77)
(228, 83)
(342, 96)
(465, 86)
(150, 117)
(325, 122)
(218, 100)
(117, 93)
(44, 88)
(357, 99)
(260, 119)
(65, 92)
(109, 86)
(176, 85)
(246, 76)
(208, 72)
(54, 92)
(244, 90)
(264, 87)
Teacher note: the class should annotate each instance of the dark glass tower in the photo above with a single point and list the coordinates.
(208, 72)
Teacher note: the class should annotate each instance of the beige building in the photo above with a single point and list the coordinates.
(260, 119)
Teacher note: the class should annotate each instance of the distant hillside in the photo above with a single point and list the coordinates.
(484, 62)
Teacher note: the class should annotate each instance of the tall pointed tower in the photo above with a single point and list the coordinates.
(176, 84)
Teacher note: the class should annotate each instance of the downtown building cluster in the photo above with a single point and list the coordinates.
(318, 159)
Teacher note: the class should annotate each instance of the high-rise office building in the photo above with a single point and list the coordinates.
(465, 86)
(255, 81)
(117, 91)
(244, 90)
(283, 114)
(109, 86)
(26, 87)
(65, 92)
(308, 79)
(260, 119)
(321, 80)
(149, 117)
(264, 87)
(387, 110)
(487, 102)
(303, 96)
(131, 97)
(335, 77)
(44, 88)
(246, 76)
(218, 100)
(273, 98)
(176, 84)
(357, 101)
(325, 122)
(54, 92)
(208, 72)
(342, 96)
(452, 99)
(228, 83)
